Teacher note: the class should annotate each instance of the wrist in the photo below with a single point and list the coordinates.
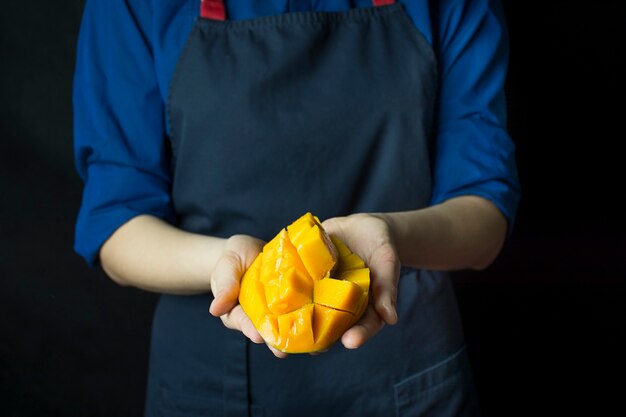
(409, 234)
(389, 225)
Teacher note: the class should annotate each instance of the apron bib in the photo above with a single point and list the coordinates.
(271, 117)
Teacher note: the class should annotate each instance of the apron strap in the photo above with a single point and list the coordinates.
(214, 9)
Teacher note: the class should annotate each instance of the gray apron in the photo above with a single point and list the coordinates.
(328, 112)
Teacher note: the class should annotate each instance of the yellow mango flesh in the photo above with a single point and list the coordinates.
(252, 293)
(350, 261)
(329, 324)
(337, 294)
(296, 330)
(342, 249)
(360, 277)
(316, 250)
(288, 285)
(296, 292)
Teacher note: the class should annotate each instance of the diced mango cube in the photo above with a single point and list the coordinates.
(360, 277)
(252, 293)
(303, 224)
(268, 329)
(295, 330)
(361, 308)
(328, 325)
(317, 252)
(342, 249)
(351, 261)
(288, 292)
(280, 256)
(253, 304)
(340, 295)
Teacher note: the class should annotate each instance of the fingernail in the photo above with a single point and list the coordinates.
(349, 346)
(350, 343)
(392, 315)
(212, 304)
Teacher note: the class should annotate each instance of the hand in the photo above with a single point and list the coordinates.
(369, 236)
(237, 256)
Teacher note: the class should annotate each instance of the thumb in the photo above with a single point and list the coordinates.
(225, 283)
(334, 226)
(385, 268)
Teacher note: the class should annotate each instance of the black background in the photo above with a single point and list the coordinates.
(545, 323)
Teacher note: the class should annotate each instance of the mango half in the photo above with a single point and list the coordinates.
(305, 289)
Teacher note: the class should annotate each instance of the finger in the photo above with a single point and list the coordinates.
(318, 352)
(237, 319)
(367, 327)
(385, 269)
(333, 226)
(225, 283)
(277, 353)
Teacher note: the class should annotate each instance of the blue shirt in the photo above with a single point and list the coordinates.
(127, 52)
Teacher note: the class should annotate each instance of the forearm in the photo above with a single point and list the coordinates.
(150, 254)
(463, 232)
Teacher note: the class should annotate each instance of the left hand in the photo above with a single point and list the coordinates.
(238, 254)
(369, 236)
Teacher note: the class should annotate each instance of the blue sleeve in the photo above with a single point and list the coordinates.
(474, 155)
(119, 132)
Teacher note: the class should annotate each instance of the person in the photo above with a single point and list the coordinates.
(203, 128)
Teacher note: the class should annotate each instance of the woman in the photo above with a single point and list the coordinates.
(198, 138)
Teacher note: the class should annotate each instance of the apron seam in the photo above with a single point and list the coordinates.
(356, 14)
(176, 76)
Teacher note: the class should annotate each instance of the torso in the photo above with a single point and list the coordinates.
(272, 117)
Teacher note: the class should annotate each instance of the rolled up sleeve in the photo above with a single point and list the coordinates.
(120, 141)
(474, 155)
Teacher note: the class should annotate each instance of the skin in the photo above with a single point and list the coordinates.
(460, 233)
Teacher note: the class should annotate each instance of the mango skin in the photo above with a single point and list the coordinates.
(305, 289)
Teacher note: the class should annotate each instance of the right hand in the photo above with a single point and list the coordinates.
(238, 254)
(370, 237)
